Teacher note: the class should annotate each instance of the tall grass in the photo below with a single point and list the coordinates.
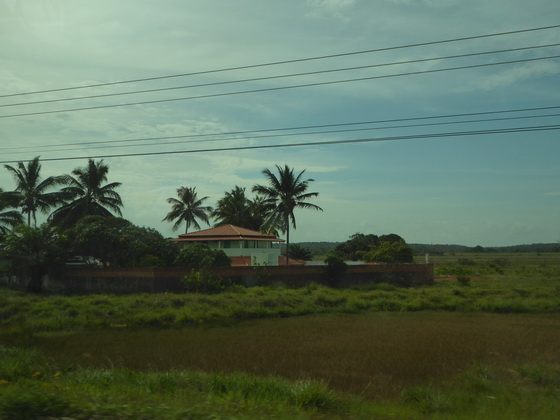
(20, 312)
(374, 355)
(120, 393)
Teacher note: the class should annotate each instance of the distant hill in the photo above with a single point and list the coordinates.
(323, 248)
(435, 249)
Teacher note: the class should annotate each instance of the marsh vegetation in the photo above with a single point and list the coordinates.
(487, 346)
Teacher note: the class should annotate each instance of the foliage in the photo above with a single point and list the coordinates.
(187, 209)
(35, 252)
(359, 244)
(118, 242)
(200, 256)
(336, 267)
(297, 252)
(204, 281)
(283, 194)
(389, 252)
(353, 247)
(234, 208)
(8, 218)
(86, 195)
(31, 192)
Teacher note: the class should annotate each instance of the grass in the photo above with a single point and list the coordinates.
(498, 294)
(487, 347)
(35, 387)
(375, 355)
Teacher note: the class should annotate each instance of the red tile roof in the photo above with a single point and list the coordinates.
(226, 233)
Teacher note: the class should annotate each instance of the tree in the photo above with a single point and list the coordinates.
(187, 209)
(33, 192)
(234, 208)
(354, 247)
(391, 237)
(283, 194)
(98, 237)
(117, 242)
(9, 218)
(359, 244)
(297, 252)
(86, 195)
(390, 252)
(34, 253)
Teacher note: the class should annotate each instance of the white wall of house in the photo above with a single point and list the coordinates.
(261, 252)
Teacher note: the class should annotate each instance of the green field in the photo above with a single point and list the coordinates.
(487, 346)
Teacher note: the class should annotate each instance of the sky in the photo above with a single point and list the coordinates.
(443, 180)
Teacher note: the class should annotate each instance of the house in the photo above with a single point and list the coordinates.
(242, 246)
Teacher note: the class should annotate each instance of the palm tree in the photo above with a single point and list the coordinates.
(298, 252)
(35, 252)
(283, 194)
(9, 218)
(236, 209)
(32, 192)
(86, 195)
(187, 209)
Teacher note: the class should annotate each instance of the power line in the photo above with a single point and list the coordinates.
(258, 79)
(308, 133)
(278, 88)
(299, 60)
(319, 126)
(318, 143)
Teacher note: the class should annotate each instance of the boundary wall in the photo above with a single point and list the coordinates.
(158, 280)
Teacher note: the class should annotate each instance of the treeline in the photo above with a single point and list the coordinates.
(320, 249)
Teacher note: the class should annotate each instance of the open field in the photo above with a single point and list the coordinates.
(487, 347)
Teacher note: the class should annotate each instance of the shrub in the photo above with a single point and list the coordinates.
(466, 261)
(464, 280)
(336, 267)
(427, 399)
(204, 281)
(200, 256)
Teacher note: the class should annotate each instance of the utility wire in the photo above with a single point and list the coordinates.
(279, 88)
(258, 79)
(308, 133)
(318, 143)
(319, 126)
(275, 63)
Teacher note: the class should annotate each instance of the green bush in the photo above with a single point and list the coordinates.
(203, 281)
(199, 256)
(336, 267)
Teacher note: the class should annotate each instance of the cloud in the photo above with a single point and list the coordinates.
(429, 3)
(517, 74)
(329, 8)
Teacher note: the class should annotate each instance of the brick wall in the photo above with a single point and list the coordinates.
(154, 280)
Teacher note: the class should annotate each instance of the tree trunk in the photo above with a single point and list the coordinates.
(287, 221)
(35, 283)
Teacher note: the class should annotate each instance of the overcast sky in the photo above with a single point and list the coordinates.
(482, 188)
